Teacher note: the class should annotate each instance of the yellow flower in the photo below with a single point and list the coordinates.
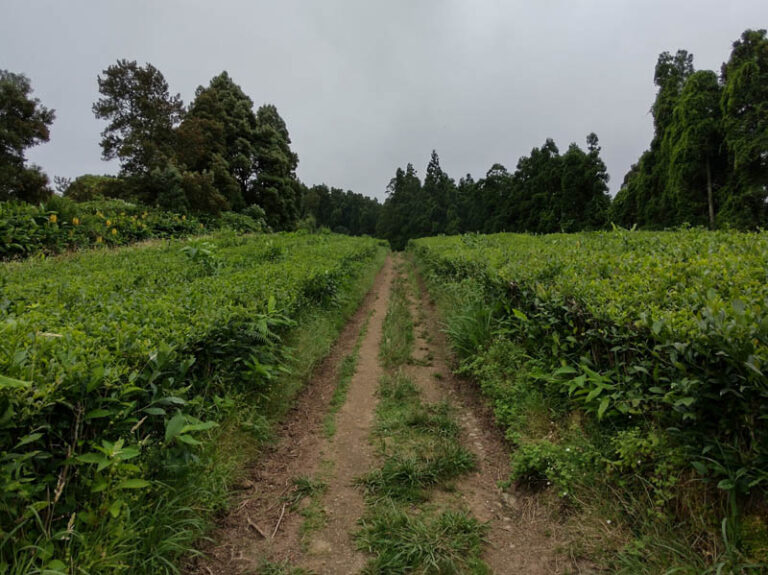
(75, 221)
(114, 231)
(109, 223)
(53, 218)
(98, 239)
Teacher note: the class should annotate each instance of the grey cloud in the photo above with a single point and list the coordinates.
(368, 86)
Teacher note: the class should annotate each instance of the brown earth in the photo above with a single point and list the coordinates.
(523, 535)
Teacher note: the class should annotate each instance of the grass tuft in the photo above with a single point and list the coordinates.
(397, 330)
(450, 542)
(405, 477)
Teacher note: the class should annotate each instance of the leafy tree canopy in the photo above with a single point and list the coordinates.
(24, 122)
(142, 115)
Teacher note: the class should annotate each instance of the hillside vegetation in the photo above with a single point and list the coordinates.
(629, 360)
(119, 365)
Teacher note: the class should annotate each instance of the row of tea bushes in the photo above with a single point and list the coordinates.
(116, 364)
(647, 352)
(62, 225)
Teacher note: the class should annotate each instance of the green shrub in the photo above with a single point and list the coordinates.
(116, 365)
(636, 362)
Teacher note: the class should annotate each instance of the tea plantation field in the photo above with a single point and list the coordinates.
(633, 360)
(117, 367)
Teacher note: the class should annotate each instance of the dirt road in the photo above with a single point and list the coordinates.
(302, 507)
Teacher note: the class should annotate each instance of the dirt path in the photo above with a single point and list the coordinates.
(316, 532)
(523, 536)
(331, 549)
(244, 540)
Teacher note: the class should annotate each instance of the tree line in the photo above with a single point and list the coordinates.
(707, 164)
(548, 192)
(216, 155)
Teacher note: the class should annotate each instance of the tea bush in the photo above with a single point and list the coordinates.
(656, 343)
(116, 364)
(63, 225)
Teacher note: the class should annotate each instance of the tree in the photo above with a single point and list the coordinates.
(400, 218)
(90, 187)
(24, 123)
(646, 199)
(694, 140)
(439, 200)
(141, 114)
(500, 206)
(221, 122)
(539, 188)
(584, 200)
(276, 188)
(744, 107)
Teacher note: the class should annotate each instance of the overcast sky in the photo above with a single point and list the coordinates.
(366, 86)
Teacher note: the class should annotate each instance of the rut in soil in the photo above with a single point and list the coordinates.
(387, 464)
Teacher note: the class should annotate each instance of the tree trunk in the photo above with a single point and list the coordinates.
(709, 197)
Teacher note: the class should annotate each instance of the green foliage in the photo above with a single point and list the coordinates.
(706, 163)
(61, 225)
(397, 330)
(141, 114)
(548, 192)
(340, 211)
(89, 187)
(694, 145)
(745, 125)
(24, 122)
(118, 365)
(448, 543)
(632, 359)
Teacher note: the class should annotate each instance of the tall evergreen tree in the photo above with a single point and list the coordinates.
(540, 189)
(220, 134)
(400, 218)
(694, 141)
(276, 188)
(439, 198)
(745, 125)
(645, 198)
(499, 212)
(584, 200)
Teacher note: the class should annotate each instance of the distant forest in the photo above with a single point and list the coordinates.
(707, 164)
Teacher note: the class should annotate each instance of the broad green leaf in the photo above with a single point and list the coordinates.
(11, 383)
(199, 426)
(114, 508)
(92, 458)
(726, 485)
(188, 439)
(174, 426)
(97, 413)
(133, 484)
(28, 439)
(603, 406)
